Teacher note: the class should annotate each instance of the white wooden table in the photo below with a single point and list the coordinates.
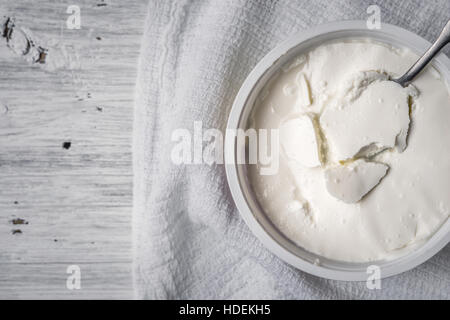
(75, 203)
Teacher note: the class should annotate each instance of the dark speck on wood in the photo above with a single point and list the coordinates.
(67, 144)
(42, 55)
(16, 231)
(8, 27)
(19, 221)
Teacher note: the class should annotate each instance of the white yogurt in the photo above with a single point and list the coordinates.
(364, 171)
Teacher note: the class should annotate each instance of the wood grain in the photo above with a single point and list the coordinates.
(76, 201)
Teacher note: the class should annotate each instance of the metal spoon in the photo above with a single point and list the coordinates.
(441, 41)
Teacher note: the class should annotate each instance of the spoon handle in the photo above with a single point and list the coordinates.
(440, 42)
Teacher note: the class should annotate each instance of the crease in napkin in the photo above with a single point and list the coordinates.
(189, 240)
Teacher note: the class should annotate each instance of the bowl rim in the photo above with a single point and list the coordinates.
(408, 261)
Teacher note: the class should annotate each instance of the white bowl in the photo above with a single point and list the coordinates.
(242, 193)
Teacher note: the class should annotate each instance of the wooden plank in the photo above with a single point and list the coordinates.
(77, 201)
(48, 281)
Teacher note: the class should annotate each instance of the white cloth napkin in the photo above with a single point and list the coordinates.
(189, 240)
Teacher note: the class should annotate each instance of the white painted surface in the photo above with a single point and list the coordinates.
(80, 197)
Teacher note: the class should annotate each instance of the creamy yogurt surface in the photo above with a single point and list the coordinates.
(364, 166)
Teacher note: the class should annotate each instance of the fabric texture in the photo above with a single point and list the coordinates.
(189, 239)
